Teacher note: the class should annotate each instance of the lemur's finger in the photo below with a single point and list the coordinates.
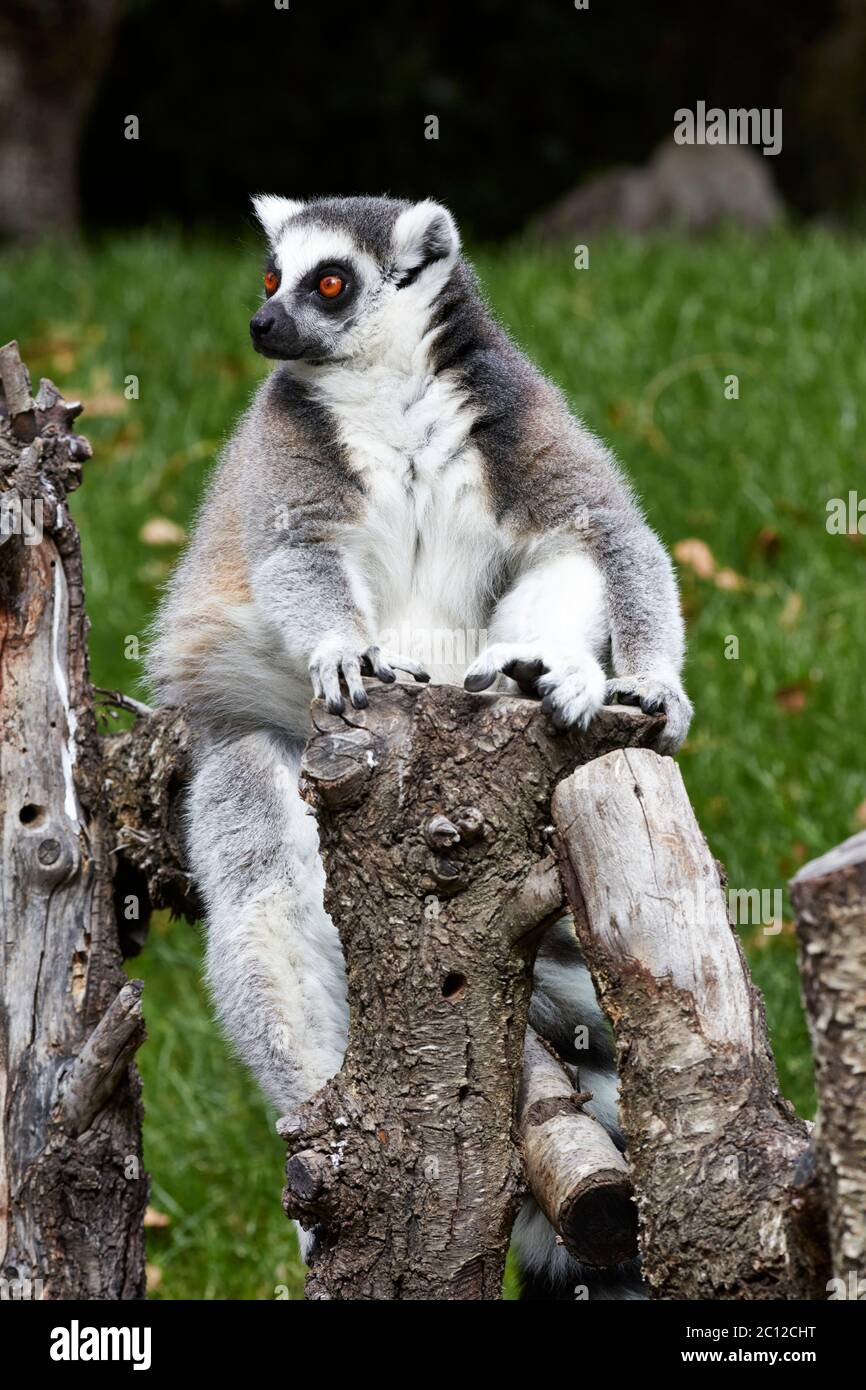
(480, 674)
(352, 677)
(317, 683)
(524, 672)
(411, 668)
(331, 688)
(374, 664)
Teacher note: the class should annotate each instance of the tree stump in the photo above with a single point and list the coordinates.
(433, 808)
(72, 1182)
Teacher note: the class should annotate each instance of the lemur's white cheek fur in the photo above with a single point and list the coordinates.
(426, 485)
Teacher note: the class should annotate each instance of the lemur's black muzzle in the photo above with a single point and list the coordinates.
(274, 333)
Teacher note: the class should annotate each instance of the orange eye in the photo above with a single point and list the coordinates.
(272, 281)
(330, 286)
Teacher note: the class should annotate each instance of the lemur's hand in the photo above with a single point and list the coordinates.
(333, 659)
(572, 686)
(656, 694)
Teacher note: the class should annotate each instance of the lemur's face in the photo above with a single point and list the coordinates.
(349, 278)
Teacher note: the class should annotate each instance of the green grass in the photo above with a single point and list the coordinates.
(641, 342)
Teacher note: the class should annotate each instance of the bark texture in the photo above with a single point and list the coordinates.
(433, 808)
(146, 768)
(72, 1182)
(829, 896)
(719, 1160)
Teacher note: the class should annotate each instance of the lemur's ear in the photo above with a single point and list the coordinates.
(272, 212)
(424, 233)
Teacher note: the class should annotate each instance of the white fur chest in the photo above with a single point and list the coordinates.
(427, 548)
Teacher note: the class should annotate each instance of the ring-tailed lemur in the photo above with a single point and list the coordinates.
(403, 467)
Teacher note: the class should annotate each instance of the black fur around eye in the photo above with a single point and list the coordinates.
(331, 285)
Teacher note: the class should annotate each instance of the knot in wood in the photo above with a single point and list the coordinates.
(309, 1175)
(52, 854)
(440, 833)
(448, 875)
(470, 824)
(339, 765)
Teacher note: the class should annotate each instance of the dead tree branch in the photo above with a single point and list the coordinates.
(717, 1155)
(72, 1182)
(575, 1171)
(829, 897)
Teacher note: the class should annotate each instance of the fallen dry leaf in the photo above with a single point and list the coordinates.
(728, 579)
(153, 1276)
(696, 555)
(860, 814)
(793, 698)
(768, 540)
(155, 1220)
(160, 531)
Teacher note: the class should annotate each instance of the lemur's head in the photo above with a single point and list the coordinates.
(350, 278)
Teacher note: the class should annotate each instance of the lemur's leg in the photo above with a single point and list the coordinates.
(549, 634)
(274, 960)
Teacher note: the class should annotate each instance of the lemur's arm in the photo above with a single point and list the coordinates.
(591, 574)
(321, 609)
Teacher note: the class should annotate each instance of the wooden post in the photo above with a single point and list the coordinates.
(72, 1183)
(829, 896)
(719, 1160)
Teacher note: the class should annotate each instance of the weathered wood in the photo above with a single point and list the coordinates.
(72, 1182)
(575, 1172)
(146, 768)
(829, 896)
(714, 1148)
(433, 807)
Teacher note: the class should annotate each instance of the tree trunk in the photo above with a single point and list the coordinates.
(829, 896)
(432, 807)
(72, 1183)
(719, 1160)
(51, 58)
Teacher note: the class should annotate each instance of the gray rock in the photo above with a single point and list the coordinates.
(687, 188)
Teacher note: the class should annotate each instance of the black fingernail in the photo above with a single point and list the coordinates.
(360, 700)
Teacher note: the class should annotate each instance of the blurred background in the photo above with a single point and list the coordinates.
(712, 333)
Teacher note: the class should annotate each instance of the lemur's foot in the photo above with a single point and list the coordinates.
(572, 687)
(332, 661)
(656, 695)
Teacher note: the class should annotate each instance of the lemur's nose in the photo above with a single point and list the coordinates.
(275, 333)
(262, 323)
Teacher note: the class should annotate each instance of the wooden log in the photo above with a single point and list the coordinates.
(433, 807)
(829, 896)
(72, 1182)
(714, 1148)
(575, 1172)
